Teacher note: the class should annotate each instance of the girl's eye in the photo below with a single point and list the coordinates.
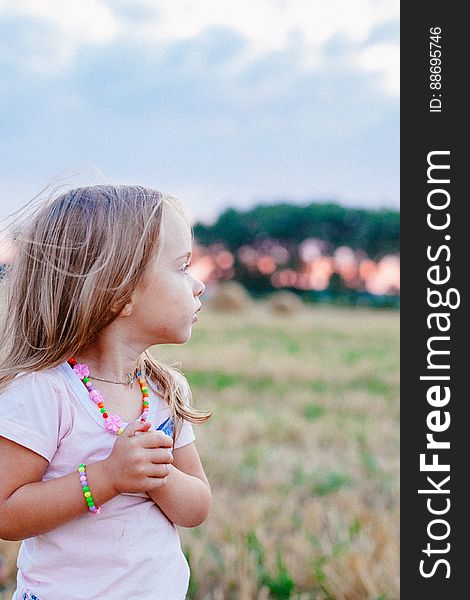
(186, 267)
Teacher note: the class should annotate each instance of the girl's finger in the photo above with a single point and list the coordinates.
(158, 471)
(160, 455)
(134, 427)
(156, 439)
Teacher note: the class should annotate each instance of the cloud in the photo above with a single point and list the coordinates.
(203, 104)
(266, 26)
(179, 121)
(89, 21)
(382, 58)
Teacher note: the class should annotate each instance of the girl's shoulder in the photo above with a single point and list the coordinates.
(34, 411)
(46, 383)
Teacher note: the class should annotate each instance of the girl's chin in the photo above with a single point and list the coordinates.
(177, 335)
(181, 339)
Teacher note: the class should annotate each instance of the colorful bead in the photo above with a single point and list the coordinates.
(81, 370)
(86, 491)
(112, 423)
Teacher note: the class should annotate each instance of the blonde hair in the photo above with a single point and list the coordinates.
(72, 275)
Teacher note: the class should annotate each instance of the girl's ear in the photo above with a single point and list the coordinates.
(127, 310)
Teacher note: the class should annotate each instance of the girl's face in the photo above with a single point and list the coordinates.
(163, 310)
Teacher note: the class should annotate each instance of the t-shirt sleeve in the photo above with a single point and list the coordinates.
(186, 434)
(32, 414)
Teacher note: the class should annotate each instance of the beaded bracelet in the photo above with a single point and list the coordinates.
(86, 491)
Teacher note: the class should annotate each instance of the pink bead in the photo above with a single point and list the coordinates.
(82, 477)
(113, 423)
(96, 396)
(81, 370)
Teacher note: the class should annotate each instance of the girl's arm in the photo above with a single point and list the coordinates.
(186, 497)
(30, 506)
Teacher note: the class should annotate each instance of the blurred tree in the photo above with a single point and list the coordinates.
(377, 232)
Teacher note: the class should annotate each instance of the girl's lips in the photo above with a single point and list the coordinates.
(195, 314)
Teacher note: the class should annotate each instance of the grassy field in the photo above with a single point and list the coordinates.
(302, 453)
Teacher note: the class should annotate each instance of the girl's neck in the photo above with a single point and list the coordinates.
(107, 361)
(108, 367)
(115, 352)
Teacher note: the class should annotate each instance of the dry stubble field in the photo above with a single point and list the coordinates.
(302, 453)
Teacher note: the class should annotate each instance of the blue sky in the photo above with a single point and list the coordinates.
(217, 102)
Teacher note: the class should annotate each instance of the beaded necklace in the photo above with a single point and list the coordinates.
(113, 423)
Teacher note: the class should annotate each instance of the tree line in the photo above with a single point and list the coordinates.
(377, 232)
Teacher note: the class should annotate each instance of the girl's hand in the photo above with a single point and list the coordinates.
(139, 463)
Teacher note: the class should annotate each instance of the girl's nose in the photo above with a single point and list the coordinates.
(200, 288)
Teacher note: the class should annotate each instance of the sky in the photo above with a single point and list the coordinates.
(217, 102)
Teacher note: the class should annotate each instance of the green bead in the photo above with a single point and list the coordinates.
(89, 500)
(144, 390)
(86, 379)
(85, 489)
(102, 410)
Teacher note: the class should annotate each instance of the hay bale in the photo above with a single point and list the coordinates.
(230, 296)
(285, 303)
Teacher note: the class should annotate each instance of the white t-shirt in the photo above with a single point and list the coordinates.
(130, 550)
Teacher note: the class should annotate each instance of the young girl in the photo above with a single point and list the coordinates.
(97, 455)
